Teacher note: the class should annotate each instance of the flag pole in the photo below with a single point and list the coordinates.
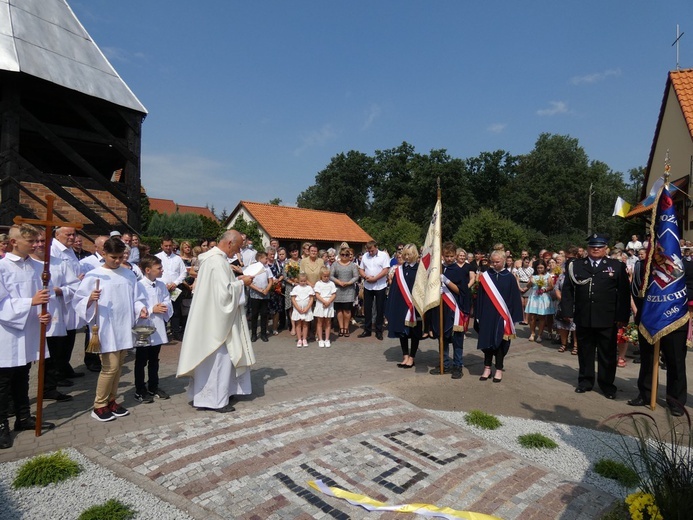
(441, 340)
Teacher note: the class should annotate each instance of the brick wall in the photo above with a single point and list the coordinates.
(67, 211)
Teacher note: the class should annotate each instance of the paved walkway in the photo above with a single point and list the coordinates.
(347, 415)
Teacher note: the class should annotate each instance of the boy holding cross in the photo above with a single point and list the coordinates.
(21, 297)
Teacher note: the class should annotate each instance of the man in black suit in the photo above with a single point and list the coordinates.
(672, 347)
(596, 295)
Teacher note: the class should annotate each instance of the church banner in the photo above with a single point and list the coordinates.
(665, 304)
(426, 293)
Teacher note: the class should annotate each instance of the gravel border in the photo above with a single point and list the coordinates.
(578, 449)
(68, 499)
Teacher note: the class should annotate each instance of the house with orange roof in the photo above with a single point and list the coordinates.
(168, 207)
(673, 135)
(289, 224)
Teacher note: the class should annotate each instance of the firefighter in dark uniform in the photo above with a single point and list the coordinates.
(673, 350)
(596, 295)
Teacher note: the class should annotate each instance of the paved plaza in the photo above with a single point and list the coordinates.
(346, 415)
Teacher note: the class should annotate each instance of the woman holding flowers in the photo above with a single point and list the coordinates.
(564, 327)
(539, 301)
(291, 271)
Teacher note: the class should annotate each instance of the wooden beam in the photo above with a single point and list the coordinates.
(72, 155)
(43, 178)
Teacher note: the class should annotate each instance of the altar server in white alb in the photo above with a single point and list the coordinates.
(121, 301)
(217, 353)
(21, 297)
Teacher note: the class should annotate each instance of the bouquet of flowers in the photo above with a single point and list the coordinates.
(541, 286)
(475, 288)
(292, 269)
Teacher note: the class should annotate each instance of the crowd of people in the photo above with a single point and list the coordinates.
(220, 297)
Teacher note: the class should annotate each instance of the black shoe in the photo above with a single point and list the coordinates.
(264, 338)
(253, 338)
(636, 361)
(638, 401)
(436, 371)
(456, 373)
(55, 395)
(676, 411)
(364, 335)
(379, 336)
(143, 397)
(65, 382)
(579, 390)
(610, 396)
(5, 436)
(29, 424)
(74, 375)
(94, 368)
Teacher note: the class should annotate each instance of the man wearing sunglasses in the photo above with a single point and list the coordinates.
(596, 295)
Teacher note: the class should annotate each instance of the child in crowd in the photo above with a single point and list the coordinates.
(160, 310)
(21, 297)
(302, 301)
(259, 299)
(325, 293)
(121, 301)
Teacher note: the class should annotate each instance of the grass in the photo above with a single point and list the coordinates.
(46, 469)
(536, 441)
(111, 510)
(621, 473)
(482, 420)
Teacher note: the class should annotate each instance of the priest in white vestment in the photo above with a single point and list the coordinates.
(217, 353)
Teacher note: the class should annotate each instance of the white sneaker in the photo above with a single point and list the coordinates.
(321, 343)
(305, 342)
(299, 343)
(327, 343)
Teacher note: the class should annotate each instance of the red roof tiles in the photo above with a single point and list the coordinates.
(289, 223)
(167, 206)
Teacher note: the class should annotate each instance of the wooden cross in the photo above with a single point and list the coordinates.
(49, 224)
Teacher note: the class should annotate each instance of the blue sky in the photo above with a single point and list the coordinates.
(249, 100)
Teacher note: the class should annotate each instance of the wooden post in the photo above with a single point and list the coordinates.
(49, 224)
(655, 377)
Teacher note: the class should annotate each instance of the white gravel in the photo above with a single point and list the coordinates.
(67, 500)
(578, 448)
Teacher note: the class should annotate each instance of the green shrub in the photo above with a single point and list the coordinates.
(536, 441)
(617, 471)
(482, 420)
(111, 510)
(46, 469)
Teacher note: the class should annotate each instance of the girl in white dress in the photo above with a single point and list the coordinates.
(302, 301)
(325, 293)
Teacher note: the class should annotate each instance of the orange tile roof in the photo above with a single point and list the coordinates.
(167, 206)
(289, 223)
(198, 210)
(682, 80)
(640, 210)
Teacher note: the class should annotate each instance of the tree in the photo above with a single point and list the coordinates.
(275, 202)
(486, 227)
(251, 230)
(343, 186)
(549, 192)
(488, 174)
(145, 212)
(210, 228)
(176, 225)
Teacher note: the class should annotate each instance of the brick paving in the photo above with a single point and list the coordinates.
(346, 415)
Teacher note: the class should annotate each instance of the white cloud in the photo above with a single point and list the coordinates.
(497, 128)
(595, 78)
(117, 54)
(556, 107)
(188, 179)
(315, 138)
(372, 114)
